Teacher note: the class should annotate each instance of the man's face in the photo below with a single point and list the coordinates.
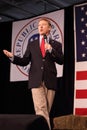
(43, 27)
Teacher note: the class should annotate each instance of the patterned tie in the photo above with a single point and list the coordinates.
(43, 47)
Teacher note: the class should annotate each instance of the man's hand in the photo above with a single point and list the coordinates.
(48, 47)
(8, 54)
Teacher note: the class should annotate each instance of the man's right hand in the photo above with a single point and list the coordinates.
(8, 54)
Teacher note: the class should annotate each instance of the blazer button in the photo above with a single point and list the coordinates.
(43, 59)
(41, 68)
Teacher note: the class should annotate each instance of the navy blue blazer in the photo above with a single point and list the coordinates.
(41, 69)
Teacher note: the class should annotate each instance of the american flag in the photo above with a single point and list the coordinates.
(80, 89)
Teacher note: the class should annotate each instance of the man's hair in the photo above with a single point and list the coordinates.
(47, 20)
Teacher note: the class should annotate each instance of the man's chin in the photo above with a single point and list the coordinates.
(42, 34)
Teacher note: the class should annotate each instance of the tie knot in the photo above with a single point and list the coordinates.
(42, 39)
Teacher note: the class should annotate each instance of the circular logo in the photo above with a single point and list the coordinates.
(29, 32)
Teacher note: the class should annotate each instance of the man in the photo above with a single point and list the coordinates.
(42, 74)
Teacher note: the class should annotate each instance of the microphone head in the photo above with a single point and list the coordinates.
(45, 36)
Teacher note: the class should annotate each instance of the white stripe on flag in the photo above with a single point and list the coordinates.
(81, 66)
(81, 84)
(80, 103)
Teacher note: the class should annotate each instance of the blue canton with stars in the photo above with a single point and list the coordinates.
(81, 32)
(33, 37)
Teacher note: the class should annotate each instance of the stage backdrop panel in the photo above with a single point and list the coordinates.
(23, 30)
(80, 93)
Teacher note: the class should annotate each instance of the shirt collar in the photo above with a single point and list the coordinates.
(48, 37)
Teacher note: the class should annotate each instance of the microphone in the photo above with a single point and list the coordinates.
(46, 41)
(45, 38)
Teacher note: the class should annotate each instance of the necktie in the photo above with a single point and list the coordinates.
(43, 47)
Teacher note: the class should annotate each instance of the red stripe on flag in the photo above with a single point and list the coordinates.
(80, 111)
(81, 75)
(81, 93)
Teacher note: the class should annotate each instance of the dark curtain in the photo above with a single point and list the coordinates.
(63, 103)
(15, 97)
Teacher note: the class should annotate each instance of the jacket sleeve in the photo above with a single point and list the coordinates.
(57, 53)
(23, 61)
